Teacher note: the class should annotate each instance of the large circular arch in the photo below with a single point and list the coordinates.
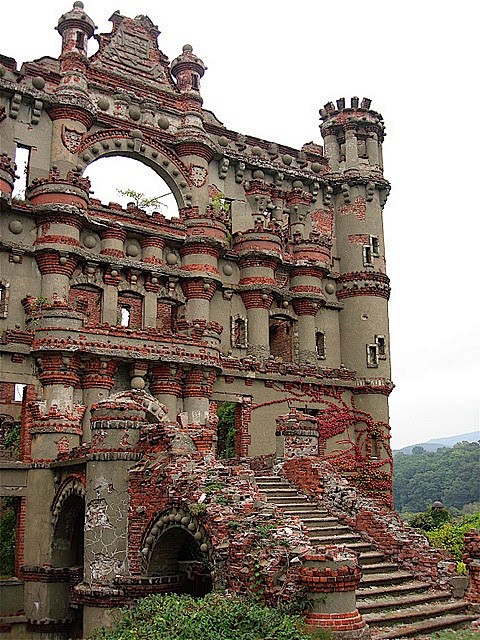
(133, 144)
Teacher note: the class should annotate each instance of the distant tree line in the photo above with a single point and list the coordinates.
(450, 474)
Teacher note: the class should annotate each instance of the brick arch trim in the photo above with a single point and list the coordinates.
(174, 517)
(127, 287)
(151, 152)
(73, 485)
(87, 280)
(283, 313)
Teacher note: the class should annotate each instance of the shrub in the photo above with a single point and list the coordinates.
(7, 537)
(450, 534)
(215, 617)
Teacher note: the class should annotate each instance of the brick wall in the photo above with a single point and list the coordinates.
(87, 301)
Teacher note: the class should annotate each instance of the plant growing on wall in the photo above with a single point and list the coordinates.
(142, 201)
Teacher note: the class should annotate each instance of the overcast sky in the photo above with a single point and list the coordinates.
(271, 66)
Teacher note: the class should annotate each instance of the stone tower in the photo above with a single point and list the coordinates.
(123, 332)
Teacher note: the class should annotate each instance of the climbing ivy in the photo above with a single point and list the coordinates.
(7, 537)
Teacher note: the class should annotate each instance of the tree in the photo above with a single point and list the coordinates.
(141, 200)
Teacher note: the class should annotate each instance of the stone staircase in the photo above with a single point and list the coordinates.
(393, 603)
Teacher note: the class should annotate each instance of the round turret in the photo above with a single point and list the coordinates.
(187, 69)
(75, 27)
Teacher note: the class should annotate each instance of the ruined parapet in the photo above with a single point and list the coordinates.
(331, 576)
(471, 557)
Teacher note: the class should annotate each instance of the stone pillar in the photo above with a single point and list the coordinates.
(197, 390)
(306, 311)
(332, 148)
(331, 576)
(112, 279)
(166, 385)
(351, 147)
(97, 382)
(373, 150)
(198, 292)
(152, 249)
(258, 304)
(113, 240)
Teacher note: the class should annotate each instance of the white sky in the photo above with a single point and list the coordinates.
(272, 66)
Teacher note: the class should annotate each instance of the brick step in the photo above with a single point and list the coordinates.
(412, 614)
(359, 546)
(379, 567)
(382, 604)
(268, 479)
(414, 586)
(425, 627)
(281, 494)
(380, 579)
(319, 521)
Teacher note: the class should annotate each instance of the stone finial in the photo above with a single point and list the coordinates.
(76, 18)
(187, 69)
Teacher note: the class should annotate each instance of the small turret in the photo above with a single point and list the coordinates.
(75, 27)
(187, 69)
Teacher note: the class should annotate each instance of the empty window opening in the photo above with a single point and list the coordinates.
(374, 451)
(239, 332)
(195, 83)
(367, 254)
(4, 291)
(125, 315)
(281, 339)
(22, 160)
(151, 193)
(80, 42)
(372, 355)
(375, 245)
(320, 344)
(226, 413)
(381, 344)
(18, 392)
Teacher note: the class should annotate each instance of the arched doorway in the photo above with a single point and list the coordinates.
(177, 549)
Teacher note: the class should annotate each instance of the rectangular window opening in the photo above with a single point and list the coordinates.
(124, 315)
(320, 344)
(381, 344)
(372, 355)
(367, 255)
(22, 160)
(375, 246)
(18, 392)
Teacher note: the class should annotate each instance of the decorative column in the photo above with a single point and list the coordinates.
(260, 253)
(152, 249)
(351, 147)
(311, 259)
(331, 577)
(97, 381)
(166, 385)
(197, 391)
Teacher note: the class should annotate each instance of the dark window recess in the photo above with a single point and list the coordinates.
(367, 254)
(372, 355)
(80, 40)
(381, 344)
(239, 332)
(320, 344)
(195, 83)
(375, 246)
(374, 448)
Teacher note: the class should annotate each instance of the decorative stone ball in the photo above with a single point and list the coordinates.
(114, 273)
(227, 269)
(314, 305)
(196, 326)
(154, 280)
(171, 285)
(206, 286)
(137, 383)
(258, 174)
(287, 159)
(264, 296)
(285, 304)
(256, 151)
(197, 536)
(15, 226)
(145, 551)
(316, 167)
(103, 104)
(223, 141)
(187, 48)
(364, 316)
(166, 519)
(38, 82)
(133, 279)
(90, 271)
(63, 260)
(89, 241)
(163, 122)
(150, 539)
(154, 530)
(192, 526)
(185, 520)
(134, 113)
(297, 184)
(136, 133)
(204, 548)
(171, 258)
(16, 259)
(78, 5)
(178, 517)
(330, 287)
(171, 517)
(132, 250)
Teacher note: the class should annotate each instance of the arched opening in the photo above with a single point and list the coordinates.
(110, 175)
(181, 559)
(281, 338)
(67, 548)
